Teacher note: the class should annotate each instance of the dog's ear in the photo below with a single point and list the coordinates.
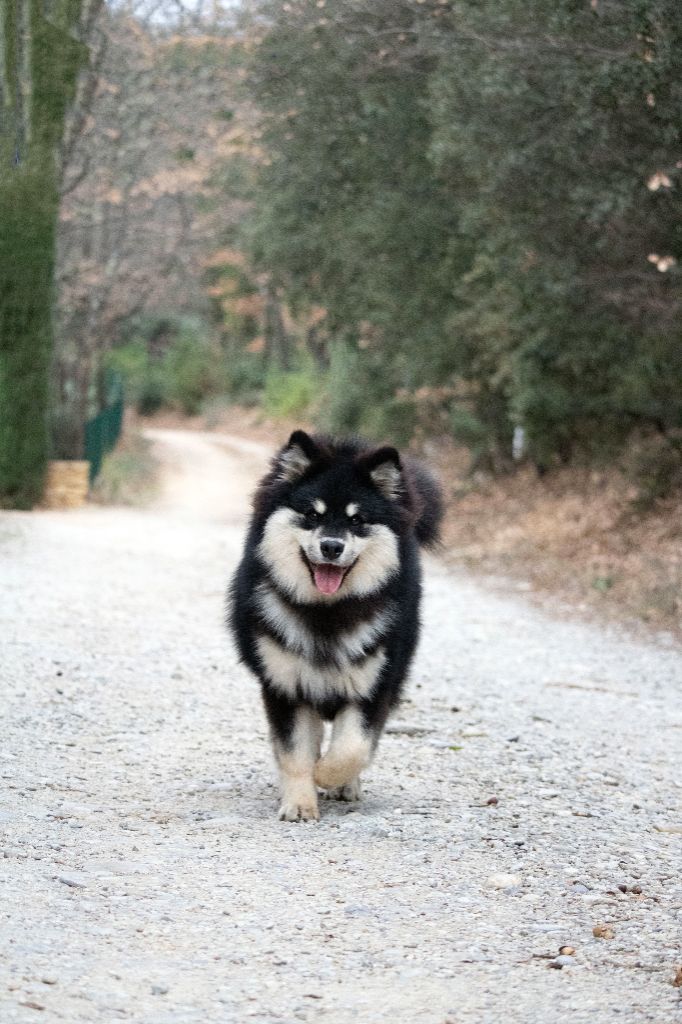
(385, 471)
(296, 457)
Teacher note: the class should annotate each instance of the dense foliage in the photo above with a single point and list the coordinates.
(485, 201)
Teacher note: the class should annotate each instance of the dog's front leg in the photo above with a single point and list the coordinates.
(351, 748)
(296, 737)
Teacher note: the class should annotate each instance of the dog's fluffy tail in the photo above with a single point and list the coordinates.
(427, 498)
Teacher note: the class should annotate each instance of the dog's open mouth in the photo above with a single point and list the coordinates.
(326, 576)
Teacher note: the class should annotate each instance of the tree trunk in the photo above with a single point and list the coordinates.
(277, 341)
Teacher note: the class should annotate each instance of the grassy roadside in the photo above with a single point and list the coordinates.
(577, 534)
(129, 474)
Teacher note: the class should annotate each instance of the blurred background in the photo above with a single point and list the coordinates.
(451, 225)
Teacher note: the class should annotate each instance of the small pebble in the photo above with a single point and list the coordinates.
(502, 881)
(561, 961)
(603, 931)
(73, 883)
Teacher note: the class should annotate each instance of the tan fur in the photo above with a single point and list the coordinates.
(296, 765)
(350, 751)
(349, 793)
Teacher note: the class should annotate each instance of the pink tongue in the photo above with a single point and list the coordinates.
(328, 578)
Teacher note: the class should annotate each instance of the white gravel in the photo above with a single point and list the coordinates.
(534, 769)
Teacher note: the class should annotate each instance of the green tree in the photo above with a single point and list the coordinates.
(484, 197)
(41, 53)
(348, 212)
(557, 126)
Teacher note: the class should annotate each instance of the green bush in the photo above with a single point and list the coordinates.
(656, 468)
(358, 394)
(193, 370)
(291, 393)
(129, 474)
(344, 390)
(469, 430)
(189, 370)
(393, 421)
(153, 393)
(143, 378)
(246, 378)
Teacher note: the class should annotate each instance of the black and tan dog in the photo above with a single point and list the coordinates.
(324, 606)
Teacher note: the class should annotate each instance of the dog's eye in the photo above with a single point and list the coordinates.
(356, 521)
(312, 517)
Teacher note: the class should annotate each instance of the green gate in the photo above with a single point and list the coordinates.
(103, 430)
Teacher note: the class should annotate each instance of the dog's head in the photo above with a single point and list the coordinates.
(333, 518)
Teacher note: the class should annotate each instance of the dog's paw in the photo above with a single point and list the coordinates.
(349, 793)
(292, 810)
(336, 772)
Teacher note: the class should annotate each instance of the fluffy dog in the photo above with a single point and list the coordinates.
(324, 606)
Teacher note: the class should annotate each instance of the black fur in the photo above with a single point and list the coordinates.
(406, 499)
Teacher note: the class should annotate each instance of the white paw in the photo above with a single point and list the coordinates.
(292, 810)
(349, 793)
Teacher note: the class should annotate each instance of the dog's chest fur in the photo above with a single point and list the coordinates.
(322, 654)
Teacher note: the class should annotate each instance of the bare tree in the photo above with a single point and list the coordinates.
(142, 205)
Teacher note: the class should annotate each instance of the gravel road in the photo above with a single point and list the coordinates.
(527, 794)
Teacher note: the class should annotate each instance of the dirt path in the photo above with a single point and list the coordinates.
(533, 773)
(206, 476)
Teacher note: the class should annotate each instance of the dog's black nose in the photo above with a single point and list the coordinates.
(331, 548)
